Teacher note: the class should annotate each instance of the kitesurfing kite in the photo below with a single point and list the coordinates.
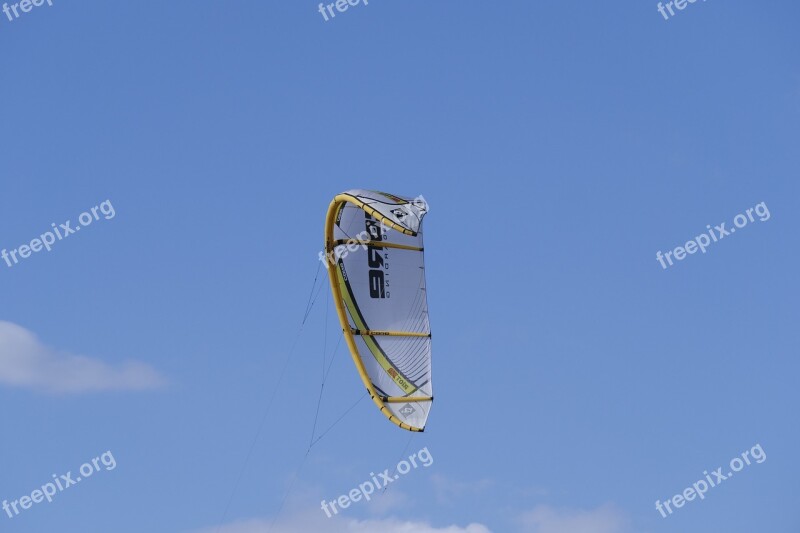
(373, 241)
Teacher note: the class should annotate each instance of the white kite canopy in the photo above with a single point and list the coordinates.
(374, 241)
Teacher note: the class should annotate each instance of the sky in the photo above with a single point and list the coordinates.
(580, 381)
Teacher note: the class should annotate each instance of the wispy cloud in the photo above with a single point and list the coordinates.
(449, 490)
(306, 523)
(546, 519)
(27, 363)
(393, 500)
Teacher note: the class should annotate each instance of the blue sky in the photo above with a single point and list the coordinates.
(560, 146)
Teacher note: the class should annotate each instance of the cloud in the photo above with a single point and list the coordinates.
(392, 499)
(449, 491)
(306, 523)
(27, 363)
(546, 519)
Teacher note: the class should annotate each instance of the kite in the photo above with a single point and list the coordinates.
(373, 242)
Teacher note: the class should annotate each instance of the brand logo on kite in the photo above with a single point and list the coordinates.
(400, 214)
(407, 410)
(419, 205)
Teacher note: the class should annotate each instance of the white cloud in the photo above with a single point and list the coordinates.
(27, 363)
(306, 523)
(546, 519)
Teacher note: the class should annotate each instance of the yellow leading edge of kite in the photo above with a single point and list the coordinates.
(330, 221)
